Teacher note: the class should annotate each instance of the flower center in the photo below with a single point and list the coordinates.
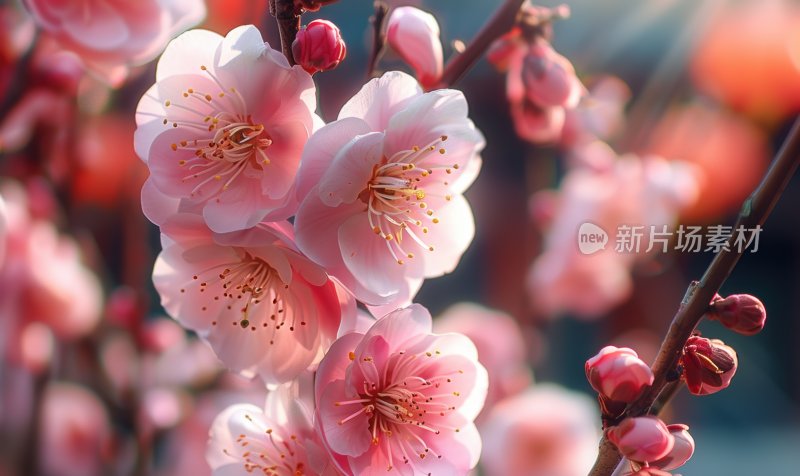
(396, 196)
(254, 291)
(235, 143)
(405, 409)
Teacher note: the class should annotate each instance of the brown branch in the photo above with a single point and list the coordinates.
(500, 23)
(754, 212)
(378, 19)
(287, 15)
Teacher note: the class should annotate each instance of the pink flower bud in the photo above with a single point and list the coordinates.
(642, 439)
(741, 313)
(618, 374)
(681, 451)
(550, 78)
(414, 35)
(319, 46)
(708, 365)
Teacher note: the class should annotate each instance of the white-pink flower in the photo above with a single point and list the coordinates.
(278, 440)
(222, 130)
(264, 308)
(400, 400)
(383, 186)
(414, 35)
(111, 36)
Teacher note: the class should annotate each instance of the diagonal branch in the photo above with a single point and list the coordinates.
(754, 212)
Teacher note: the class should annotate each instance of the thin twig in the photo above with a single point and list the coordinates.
(288, 18)
(754, 212)
(500, 23)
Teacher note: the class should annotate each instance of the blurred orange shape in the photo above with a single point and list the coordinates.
(731, 152)
(749, 58)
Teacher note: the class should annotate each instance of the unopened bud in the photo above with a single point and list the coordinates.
(319, 47)
(708, 365)
(642, 439)
(550, 78)
(741, 313)
(681, 451)
(618, 374)
(414, 35)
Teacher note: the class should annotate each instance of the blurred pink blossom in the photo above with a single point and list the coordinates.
(222, 130)
(75, 432)
(112, 36)
(401, 397)
(414, 35)
(42, 276)
(264, 308)
(541, 84)
(383, 186)
(545, 431)
(500, 343)
(630, 190)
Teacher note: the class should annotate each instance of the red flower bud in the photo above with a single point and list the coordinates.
(741, 313)
(618, 374)
(681, 451)
(642, 439)
(708, 365)
(319, 47)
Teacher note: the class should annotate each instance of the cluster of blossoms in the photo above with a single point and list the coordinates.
(706, 366)
(234, 149)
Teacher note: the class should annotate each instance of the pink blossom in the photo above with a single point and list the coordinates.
(618, 374)
(111, 36)
(642, 439)
(383, 186)
(319, 46)
(541, 85)
(399, 398)
(414, 34)
(76, 433)
(501, 347)
(647, 191)
(681, 452)
(545, 431)
(264, 308)
(222, 130)
(276, 440)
